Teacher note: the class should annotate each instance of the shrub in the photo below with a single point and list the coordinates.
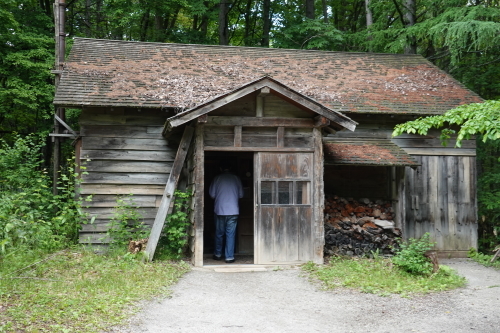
(30, 215)
(126, 223)
(175, 238)
(411, 256)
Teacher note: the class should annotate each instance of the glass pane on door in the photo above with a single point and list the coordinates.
(285, 193)
(267, 193)
(303, 193)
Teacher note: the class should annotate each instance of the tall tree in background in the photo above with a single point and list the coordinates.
(224, 8)
(26, 58)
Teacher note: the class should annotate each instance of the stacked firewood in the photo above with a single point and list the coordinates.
(359, 227)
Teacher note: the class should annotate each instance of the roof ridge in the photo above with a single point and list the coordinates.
(265, 49)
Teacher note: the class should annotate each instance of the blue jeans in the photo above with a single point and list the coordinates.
(225, 225)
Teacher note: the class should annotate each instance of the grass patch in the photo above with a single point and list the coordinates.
(380, 276)
(76, 290)
(483, 259)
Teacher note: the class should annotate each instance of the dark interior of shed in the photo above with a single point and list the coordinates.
(352, 181)
(242, 165)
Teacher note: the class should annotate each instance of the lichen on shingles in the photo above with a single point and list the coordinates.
(365, 154)
(187, 77)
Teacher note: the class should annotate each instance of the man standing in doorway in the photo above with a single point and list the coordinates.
(226, 189)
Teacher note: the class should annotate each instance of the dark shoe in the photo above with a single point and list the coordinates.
(216, 258)
(229, 261)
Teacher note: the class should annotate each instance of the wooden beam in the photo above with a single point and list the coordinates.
(264, 91)
(312, 105)
(259, 106)
(65, 125)
(318, 234)
(275, 88)
(280, 137)
(321, 121)
(168, 194)
(237, 136)
(199, 194)
(259, 122)
(441, 151)
(62, 135)
(253, 149)
(202, 119)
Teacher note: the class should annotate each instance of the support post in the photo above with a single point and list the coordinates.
(168, 194)
(59, 21)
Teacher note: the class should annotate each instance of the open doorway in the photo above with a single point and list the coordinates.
(242, 165)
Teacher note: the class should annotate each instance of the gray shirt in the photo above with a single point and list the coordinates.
(226, 189)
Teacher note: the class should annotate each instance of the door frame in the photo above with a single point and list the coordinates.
(318, 236)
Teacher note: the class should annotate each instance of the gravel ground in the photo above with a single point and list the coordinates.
(285, 301)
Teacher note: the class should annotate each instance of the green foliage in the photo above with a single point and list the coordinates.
(411, 256)
(175, 239)
(379, 276)
(26, 58)
(126, 223)
(30, 216)
(488, 194)
(473, 119)
(483, 259)
(76, 290)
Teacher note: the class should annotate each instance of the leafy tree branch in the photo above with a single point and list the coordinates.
(473, 119)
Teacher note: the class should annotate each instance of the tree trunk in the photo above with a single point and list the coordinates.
(369, 23)
(325, 11)
(310, 9)
(410, 16)
(223, 22)
(369, 14)
(266, 11)
(247, 40)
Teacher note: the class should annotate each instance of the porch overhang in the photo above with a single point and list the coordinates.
(366, 152)
(337, 119)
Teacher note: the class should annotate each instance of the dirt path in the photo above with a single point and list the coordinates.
(284, 301)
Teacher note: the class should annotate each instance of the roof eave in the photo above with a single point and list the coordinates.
(275, 87)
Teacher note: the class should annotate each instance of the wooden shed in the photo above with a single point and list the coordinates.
(296, 124)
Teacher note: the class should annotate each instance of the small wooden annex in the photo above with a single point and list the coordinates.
(296, 125)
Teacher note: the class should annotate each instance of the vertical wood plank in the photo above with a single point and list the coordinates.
(318, 234)
(454, 236)
(433, 188)
(292, 233)
(280, 137)
(237, 136)
(259, 106)
(280, 234)
(199, 174)
(306, 243)
(256, 213)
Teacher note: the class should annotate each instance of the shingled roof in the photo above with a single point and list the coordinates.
(366, 152)
(153, 75)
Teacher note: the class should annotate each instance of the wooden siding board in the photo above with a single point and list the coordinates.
(122, 189)
(124, 178)
(129, 155)
(128, 131)
(93, 143)
(127, 166)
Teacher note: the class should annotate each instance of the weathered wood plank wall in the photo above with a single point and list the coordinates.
(440, 199)
(124, 153)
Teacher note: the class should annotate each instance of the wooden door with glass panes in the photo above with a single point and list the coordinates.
(284, 207)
